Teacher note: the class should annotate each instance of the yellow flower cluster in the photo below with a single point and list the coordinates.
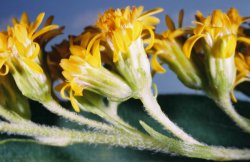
(112, 37)
(114, 48)
(18, 47)
(109, 63)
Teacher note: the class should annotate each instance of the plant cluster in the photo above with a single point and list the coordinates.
(114, 60)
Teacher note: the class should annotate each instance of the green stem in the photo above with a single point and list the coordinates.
(154, 110)
(111, 118)
(61, 137)
(56, 108)
(10, 115)
(225, 104)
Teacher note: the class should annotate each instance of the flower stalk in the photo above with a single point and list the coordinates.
(62, 137)
(154, 110)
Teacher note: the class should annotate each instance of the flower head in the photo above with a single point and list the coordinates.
(21, 41)
(21, 55)
(110, 58)
(219, 32)
(168, 48)
(124, 31)
(242, 62)
(121, 27)
(84, 70)
(217, 35)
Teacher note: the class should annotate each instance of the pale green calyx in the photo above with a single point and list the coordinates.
(134, 66)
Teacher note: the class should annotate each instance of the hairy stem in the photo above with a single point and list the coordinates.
(62, 137)
(56, 108)
(154, 110)
(113, 119)
(225, 104)
(10, 115)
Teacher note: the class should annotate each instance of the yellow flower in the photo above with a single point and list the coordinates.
(164, 43)
(24, 57)
(123, 26)
(219, 31)
(242, 62)
(84, 70)
(168, 47)
(21, 40)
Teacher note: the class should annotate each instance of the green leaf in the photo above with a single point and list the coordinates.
(197, 115)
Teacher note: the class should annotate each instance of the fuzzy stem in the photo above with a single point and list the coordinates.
(63, 137)
(10, 115)
(225, 104)
(56, 108)
(112, 119)
(154, 110)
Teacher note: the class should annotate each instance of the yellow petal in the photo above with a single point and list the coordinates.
(150, 20)
(62, 88)
(20, 48)
(76, 88)
(152, 36)
(96, 54)
(85, 39)
(136, 30)
(115, 56)
(74, 102)
(155, 64)
(240, 62)
(92, 41)
(244, 40)
(150, 12)
(24, 19)
(3, 42)
(118, 42)
(71, 65)
(35, 49)
(136, 12)
(239, 79)
(44, 30)
(21, 33)
(36, 24)
(77, 51)
(187, 47)
(32, 65)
